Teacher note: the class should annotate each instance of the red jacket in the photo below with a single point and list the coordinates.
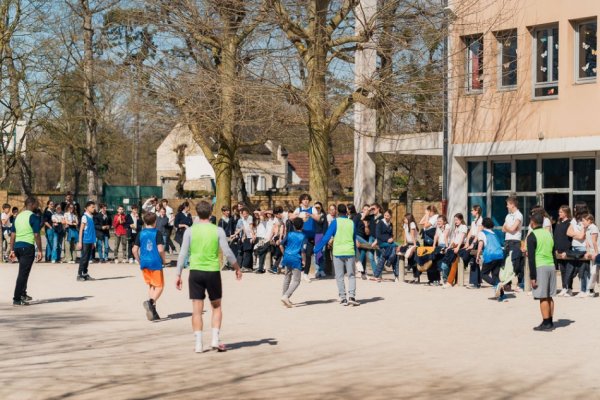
(119, 225)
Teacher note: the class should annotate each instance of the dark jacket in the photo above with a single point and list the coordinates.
(384, 232)
(99, 221)
(131, 227)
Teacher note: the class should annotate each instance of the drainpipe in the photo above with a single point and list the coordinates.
(446, 116)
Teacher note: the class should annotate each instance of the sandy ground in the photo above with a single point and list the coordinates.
(91, 340)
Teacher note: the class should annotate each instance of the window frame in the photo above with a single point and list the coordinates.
(576, 53)
(500, 37)
(467, 41)
(534, 64)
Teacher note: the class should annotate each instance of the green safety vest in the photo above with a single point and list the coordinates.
(343, 241)
(543, 250)
(204, 248)
(23, 229)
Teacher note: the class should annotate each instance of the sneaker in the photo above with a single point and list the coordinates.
(273, 271)
(247, 269)
(344, 302)
(19, 303)
(498, 290)
(131, 261)
(305, 277)
(155, 316)
(286, 302)
(447, 285)
(502, 298)
(88, 278)
(26, 298)
(591, 294)
(581, 295)
(80, 278)
(260, 271)
(363, 277)
(91, 262)
(352, 301)
(148, 307)
(544, 327)
(569, 293)
(198, 348)
(53, 262)
(71, 262)
(562, 293)
(116, 261)
(220, 348)
(396, 279)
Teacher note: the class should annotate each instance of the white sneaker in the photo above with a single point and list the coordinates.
(53, 262)
(286, 302)
(131, 261)
(446, 286)
(591, 294)
(199, 348)
(581, 295)
(396, 279)
(562, 293)
(306, 277)
(116, 261)
(91, 262)
(71, 262)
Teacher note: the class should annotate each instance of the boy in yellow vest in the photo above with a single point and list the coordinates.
(201, 242)
(541, 270)
(24, 237)
(343, 233)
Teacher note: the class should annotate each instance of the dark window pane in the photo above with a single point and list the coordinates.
(501, 175)
(477, 200)
(477, 176)
(546, 91)
(555, 173)
(588, 199)
(526, 203)
(526, 175)
(499, 210)
(508, 45)
(474, 62)
(587, 56)
(555, 54)
(584, 174)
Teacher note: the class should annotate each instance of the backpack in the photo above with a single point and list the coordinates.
(493, 250)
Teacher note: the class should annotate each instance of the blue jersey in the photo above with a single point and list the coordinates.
(148, 242)
(89, 232)
(309, 225)
(294, 244)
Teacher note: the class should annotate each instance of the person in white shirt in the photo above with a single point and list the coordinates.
(6, 226)
(591, 242)
(410, 245)
(547, 222)
(457, 241)
(578, 245)
(429, 224)
(512, 239)
(245, 229)
(440, 242)
(471, 244)
(264, 231)
(169, 246)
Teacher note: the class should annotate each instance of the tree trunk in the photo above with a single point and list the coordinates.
(136, 130)
(89, 111)
(63, 169)
(223, 174)
(318, 125)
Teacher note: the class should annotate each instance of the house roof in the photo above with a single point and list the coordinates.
(344, 167)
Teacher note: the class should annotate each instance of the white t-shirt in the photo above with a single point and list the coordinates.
(461, 229)
(6, 217)
(440, 234)
(592, 229)
(407, 234)
(578, 227)
(433, 220)
(476, 226)
(330, 218)
(481, 236)
(510, 220)
(261, 230)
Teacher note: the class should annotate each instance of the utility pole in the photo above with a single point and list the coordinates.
(365, 119)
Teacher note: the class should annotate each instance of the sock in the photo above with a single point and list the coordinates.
(547, 321)
(215, 337)
(198, 336)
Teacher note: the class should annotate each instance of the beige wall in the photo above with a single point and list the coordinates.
(495, 115)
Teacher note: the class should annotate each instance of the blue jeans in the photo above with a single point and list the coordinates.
(102, 247)
(364, 253)
(388, 253)
(49, 243)
(57, 243)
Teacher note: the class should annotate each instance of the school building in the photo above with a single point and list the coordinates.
(524, 104)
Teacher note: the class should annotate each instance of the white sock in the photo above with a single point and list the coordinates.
(215, 337)
(198, 336)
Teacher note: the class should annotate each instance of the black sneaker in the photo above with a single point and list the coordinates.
(26, 298)
(88, 278)
(352, 301)
(543, 327)
(20, 303)
(344, 302)
(148, 307)
(80, 278)
(260, 271)
(274, 272)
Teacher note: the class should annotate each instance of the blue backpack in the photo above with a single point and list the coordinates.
(493, 250)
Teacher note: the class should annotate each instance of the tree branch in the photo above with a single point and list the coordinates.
(341, 15)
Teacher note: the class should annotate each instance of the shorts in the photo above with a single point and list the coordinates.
(154, 277)
(546, 283)
(203, 281)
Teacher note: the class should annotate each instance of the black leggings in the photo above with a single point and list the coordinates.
(26, 256)
(490, 272)
(310, 247)
(567, 273)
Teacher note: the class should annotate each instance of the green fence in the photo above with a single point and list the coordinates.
(115, 196)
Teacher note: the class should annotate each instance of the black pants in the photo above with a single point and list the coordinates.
(277, 256)
(245, 258)
(490, 272)
(26, 256)
(516, 258)
(86, 250)
(169, 246)
(262, 252)
(475, 272)
(130, 243)
(567, 273)
(310, 247)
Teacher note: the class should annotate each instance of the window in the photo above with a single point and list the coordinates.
(584, 174)
(477, 201)
(499, 210)
(477, 177)
(586, 53)
(555, 173)
(507, 45)
(546, 61)
(474, 48)
(588, 199)
(501, 176)
(526, 175)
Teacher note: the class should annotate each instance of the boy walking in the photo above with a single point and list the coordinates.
(342, 231)
(87, 241)
(201, 243)
(149, 251)
(294, 257)
(24, 237)
(541, 270)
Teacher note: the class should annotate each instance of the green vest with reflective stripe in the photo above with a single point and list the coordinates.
(543, 249)
(23, 229)
(343, 241)
(204, 248)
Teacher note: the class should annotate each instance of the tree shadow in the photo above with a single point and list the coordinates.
(563, 323)
(59, 300)
(113, 278)
(252, 343)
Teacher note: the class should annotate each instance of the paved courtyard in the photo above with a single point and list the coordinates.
(91, 340)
